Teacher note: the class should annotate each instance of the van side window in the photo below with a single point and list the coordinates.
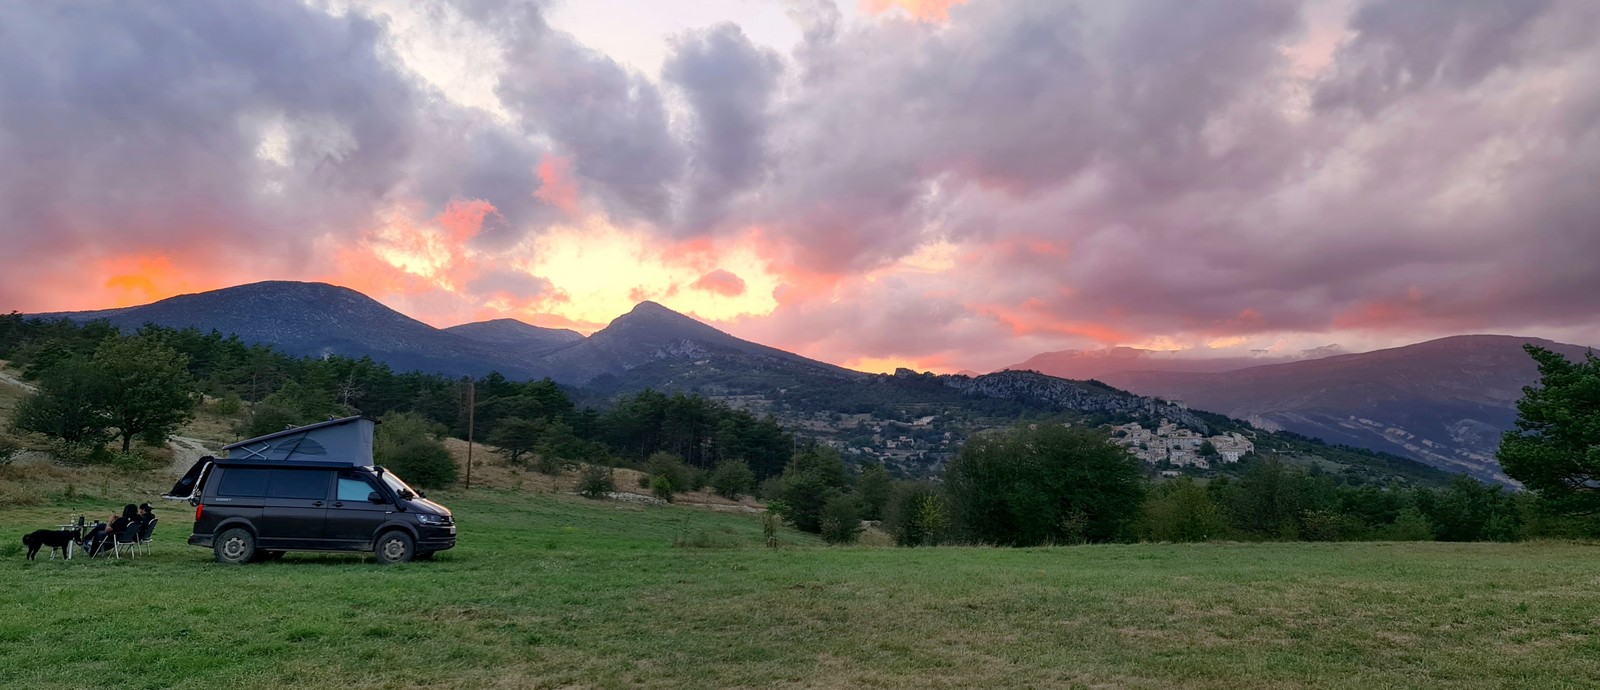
(307, 484)
(355, 489)
(242, 482)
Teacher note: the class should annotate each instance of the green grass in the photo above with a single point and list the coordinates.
(555, 591)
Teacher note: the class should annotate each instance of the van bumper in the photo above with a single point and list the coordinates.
(436, 538)
(200, 540)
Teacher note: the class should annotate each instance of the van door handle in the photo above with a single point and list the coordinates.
(317, 503)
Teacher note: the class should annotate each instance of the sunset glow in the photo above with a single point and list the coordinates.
(934, 184)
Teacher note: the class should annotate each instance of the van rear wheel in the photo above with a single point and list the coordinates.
(394, 547)
(235, 546)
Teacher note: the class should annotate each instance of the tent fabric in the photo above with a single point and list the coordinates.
(346, 441)
(185, 487)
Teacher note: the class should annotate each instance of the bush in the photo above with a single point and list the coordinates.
(408, 444)
(549, 463)
(596, 481)
(1181, 512)
(670, 469)
(1409, 525)
(1049, 484)
(841, 520)
(732, 479)
(917, 515)
(661, 488)
(9, 450)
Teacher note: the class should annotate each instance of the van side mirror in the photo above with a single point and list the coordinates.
(375, 498)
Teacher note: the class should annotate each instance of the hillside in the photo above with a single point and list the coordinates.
(1443, 402)
(914, 423)
(512, 333)
(1104, 363)
(317, 319)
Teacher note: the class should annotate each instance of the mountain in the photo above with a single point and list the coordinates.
(317, 319)
(514, 333)
(911, 422)
(1099, 364)
(1444, 402)
(652, 333)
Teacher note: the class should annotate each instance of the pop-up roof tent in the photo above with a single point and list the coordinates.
(344, 441)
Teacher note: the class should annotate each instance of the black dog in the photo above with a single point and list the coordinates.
(55, 539)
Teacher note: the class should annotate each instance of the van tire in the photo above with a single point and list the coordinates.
(236, 546)
(393, 547)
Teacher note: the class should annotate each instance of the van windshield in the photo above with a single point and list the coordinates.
(397, 485)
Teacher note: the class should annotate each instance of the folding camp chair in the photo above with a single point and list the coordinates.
(145, 532)
(128, 539)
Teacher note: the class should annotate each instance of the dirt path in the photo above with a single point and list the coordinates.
(11, 378)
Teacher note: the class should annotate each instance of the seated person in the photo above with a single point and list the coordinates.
(104, 533)
(145, 514)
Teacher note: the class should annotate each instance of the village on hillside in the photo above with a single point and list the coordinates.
(1180, 447)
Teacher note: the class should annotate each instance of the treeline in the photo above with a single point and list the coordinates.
(83, 369)
(1049, 484)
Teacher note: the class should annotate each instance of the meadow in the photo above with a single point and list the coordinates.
(552, 590)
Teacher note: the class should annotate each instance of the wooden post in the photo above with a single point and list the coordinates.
(472, 408)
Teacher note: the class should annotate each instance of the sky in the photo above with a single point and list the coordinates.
(939, 184)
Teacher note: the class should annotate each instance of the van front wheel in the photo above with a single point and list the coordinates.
(394, 547)
(235, 546)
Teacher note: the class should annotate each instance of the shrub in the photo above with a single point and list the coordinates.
(1409, 525)
(9, 450)
(661, 488)
(1043, 485)
(732, 479)
(841, 520)
(1181, 511)
(596, 481)
(408, 444)
(669, 468)
(917, 515)
(549, 463)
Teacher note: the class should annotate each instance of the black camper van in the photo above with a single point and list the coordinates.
(310, 488)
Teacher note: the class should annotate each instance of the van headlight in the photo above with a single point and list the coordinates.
(435, 520)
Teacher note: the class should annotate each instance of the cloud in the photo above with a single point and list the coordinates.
(954, 184)
(729, 83)
(720, 282)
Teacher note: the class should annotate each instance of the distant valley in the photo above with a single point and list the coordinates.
(1444, 402)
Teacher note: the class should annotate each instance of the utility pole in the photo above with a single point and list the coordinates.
(472, 408)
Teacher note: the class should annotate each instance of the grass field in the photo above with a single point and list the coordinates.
(550, 590)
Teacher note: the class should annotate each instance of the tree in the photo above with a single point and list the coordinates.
(516, 437)
(732, 479)
(841, 520)
(294, 404)
(1208, 449)
(1555, 448)
(1041, 485)
(67, 406)
(1181, 511)
(873, 489)
(916, 515)
(410, 445)
(147, 390)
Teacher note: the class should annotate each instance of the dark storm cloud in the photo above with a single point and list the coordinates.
(610, 120)
(729, 83)
(134, 124)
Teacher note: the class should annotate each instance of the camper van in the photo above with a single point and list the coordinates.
(310, 488)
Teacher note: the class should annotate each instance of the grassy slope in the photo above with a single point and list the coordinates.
(550, 590)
